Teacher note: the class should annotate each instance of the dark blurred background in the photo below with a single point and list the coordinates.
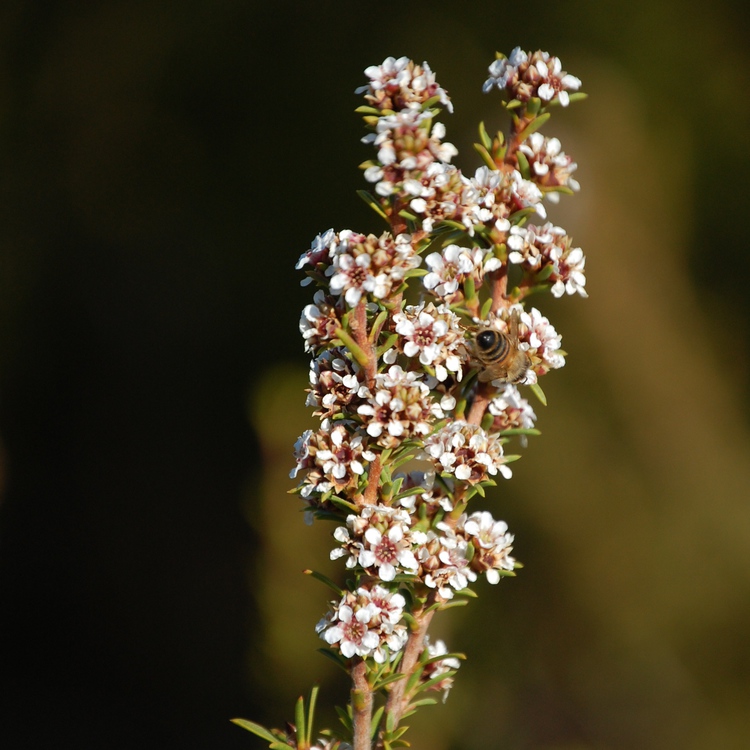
(162, 166)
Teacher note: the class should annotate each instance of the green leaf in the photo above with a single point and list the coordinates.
(470, 593)
(343, 504)
(517, 217)
(523, 165)
(415, 272)
(326, 580)
(513, 104)
(335, 657)
(577, 96)
(388, 680)
(469, 289)
(536, 389)
(423, 702)
(376, 721)
(299, 719)
(377, 324)
(520, 431)
(486, 156)
(413, 680)
(486, 140)
(455, 655)
(533, 126)
(453, 603)
(408, 493)
(345, 717)
(390, 722)
(386, 345)
(485, 311)
(400, 732)
(357, 352)
(311, 713)
(372, 203)
(257, 729)
(437, 679)
(364, 109)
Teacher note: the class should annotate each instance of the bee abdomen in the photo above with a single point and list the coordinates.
(493, 345)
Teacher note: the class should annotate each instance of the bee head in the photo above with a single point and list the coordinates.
(486, 340)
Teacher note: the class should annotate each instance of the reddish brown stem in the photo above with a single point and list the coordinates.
(370, 496)
(397, 700)
(359, 333)
(361, 701)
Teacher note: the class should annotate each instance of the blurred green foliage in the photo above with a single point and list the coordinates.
(162, 166)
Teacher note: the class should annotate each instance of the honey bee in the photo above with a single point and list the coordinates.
(498, 353)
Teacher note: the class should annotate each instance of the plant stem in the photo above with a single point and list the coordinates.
(361, 699)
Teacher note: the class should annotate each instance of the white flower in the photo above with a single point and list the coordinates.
(466, 451)
(492, 544)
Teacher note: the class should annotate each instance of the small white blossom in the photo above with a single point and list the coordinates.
(492, 544)
(466, 451)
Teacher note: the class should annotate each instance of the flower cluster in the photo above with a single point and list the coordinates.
(412, 427)
(547, 252)
(366, 622)
(525, 75)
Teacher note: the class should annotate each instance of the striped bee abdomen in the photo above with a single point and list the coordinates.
(493, 346)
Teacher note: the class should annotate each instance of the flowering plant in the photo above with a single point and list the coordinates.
(421, 340)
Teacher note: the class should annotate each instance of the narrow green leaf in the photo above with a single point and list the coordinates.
(467, 592)
(386, 345)
(377, 324)
(485, 311)
(521, 431)
(415, 272)
(424, 702)
(357, 352)
(400, 732)
(486, 156)
(512, 104)
(372, 203)
(413, 680)
(376, 721)
(536, 389)
(437, 679)
(469, 289)
(486, 140)
(343, 504)
(388, 680)
(299, 720)
(404, 214)
(337, 659)
(409, 492)
(390, 722)
(453, 603)
(366, 110)
(311, 713)
(523, 165)
(281, 746)
(533, 126)
(577, 96)
(517, 218)
(454, 655)
(326, 580)
(345, 717)
(257, 729)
